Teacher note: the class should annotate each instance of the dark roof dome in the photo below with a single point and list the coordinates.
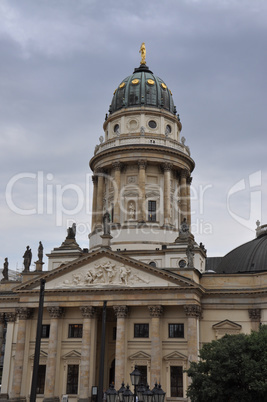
(142, 88)
(249, 257)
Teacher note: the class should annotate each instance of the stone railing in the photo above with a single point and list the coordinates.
(146, 140)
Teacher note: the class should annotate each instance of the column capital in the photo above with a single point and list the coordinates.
(254, 314)
(117, 165)
(155, 311)
(99, 171)
(23, 313)
(10, 316)
(88, 311)
(184, 174)
(193, 310)
(55, 312)
(142, 164)
(120, 311)
(167, 166)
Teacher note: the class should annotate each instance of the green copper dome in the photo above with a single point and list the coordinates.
(142, 88)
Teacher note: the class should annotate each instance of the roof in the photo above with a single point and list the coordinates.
(142, 88)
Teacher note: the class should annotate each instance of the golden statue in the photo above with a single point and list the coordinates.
(143, 53)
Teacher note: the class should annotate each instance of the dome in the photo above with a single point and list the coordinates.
(142, 88)
(249, 257)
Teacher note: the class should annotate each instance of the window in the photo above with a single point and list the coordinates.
(141, 330)
(152, 211)
(75, 331)
(176, 330)
(45, 331)
(72, 379)
(41, 379)
(152, 124)
(143, 371)
(176, 381)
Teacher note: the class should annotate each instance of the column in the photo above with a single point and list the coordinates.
(167, 167)
(23, 314)
(100, 196)
(183, 194)
(121, 314)
(2, 323)
(10, 318)
(155, 313)
(88, 313)
(55, 313)
(117, 191)
(255, 317)
(94, 206)
(142, 190)
(189, 181)
(193, 313)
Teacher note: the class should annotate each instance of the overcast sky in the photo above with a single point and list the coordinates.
(60, 62)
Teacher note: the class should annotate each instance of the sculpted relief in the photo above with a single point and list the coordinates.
(105, 273)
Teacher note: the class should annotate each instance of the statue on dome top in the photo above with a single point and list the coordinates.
(143, 53)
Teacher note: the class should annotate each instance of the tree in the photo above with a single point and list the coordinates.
(233, 368)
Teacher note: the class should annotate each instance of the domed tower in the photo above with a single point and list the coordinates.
(141, 168)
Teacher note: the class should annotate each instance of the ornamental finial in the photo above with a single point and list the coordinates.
(143, 53)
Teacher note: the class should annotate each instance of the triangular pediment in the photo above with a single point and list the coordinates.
(175, 356)
(107, 270)
(227, 324)
(43, 354)
(73, 354)
(140, 356)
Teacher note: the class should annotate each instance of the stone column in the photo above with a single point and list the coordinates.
(155, 313)
(23, 314)
(6, 377)
(167, 167)
(94, 206)
(100, 196)
(193, 313)
(142, 190)
(2, 323)
(121, 314)
(189, 181)
(183, 194)
(88, 313)
(255, 318)
(117, 191)
(49, 395)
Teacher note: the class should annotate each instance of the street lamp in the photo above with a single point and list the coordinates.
(111, 394)
(158, 393)
(148, 395)
(121, 391)
(135, 378)
(128, 395)
(140, 390)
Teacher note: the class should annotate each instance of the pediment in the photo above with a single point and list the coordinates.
(175, 356)
(43, 354)
(106, 270)
(140, 356)
(73, 354)
(226, 327)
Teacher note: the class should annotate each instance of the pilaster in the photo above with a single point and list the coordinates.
(155, 313)
(142, 190)
(6, 376)
(193, 313)
(167, 168)
(94, 206)
(121, 314)
(183, 194)
(100, 195)
(117, 190)
(255, 318)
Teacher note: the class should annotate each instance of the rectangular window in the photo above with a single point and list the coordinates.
(143, 371)
(75, 330)
(45, 331)
(141, 330)
(176, 330)
(176, 381)
(41, 379)
(152, 206)
(72, 379)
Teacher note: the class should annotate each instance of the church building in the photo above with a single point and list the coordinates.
(143, 268)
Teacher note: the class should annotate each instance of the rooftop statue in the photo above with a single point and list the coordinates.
(27, 259)
(5, 270)
(143, 53)
(40, 252)
(71, 231)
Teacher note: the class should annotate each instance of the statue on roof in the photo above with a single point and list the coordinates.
(143, 53)
(71, 231)
(27, 259)
(5, 270)
(40, 252)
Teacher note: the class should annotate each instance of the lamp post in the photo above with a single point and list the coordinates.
(148, 395)
(135, 378)
(121, 392)
(128, 395)
(111, 394)
(140, 391)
